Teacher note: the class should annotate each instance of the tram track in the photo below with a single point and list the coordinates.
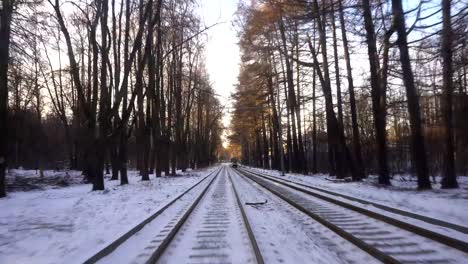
(404, 213)
(205, 224)
(101, 255)
(217, 231)
(388, 240)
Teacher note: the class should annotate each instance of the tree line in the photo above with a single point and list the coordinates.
(98, 85)
(353, 88)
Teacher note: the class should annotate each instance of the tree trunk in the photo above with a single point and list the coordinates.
(5, 28)
(104, 103)
(140, 130)
(336, 153)
(266, 159)
(343, 155)
(296, 162)
(275, 125)
(352, 100)
(123, 157)
(280, 124)
(288, 125)
(301, 154)
(158, 92)
(339, 101)
(449, 175)
(114, 161)
(314, 124)
(417, 137)
(378, 109)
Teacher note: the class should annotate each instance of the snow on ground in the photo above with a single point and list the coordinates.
(443, 204)
(286, 235)
(27, 180)
(57, 225)
(214, 232)
(138, 247)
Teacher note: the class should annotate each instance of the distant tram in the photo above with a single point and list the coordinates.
(234, 162)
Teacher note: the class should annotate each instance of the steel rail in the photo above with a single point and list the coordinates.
(438, 237)
(168, 239)
(119, 241)
(258, 254)
(433, 221)
(373, 251)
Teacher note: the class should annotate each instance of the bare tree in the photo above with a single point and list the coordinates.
(417, 137)
(449, 176)
(6, 14)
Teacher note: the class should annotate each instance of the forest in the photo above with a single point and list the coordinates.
(354, 88)
(344, 87)
(100, 86)
(234, 131)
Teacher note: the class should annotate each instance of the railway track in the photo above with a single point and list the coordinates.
(205, 224)
(217, 231)
(177, 206)
(274, 222)
(388, 240)
(429, 220)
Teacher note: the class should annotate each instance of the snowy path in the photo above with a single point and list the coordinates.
(214, 232)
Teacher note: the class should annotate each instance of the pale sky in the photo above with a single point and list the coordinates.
(222, 52)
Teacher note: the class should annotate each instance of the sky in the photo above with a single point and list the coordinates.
(222, 52)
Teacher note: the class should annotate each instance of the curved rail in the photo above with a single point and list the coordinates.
(119, 241)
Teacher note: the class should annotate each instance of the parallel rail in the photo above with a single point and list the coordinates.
(258, 254)
(433, 221)
(119, 241)
(372, 250)
(156, 248)
(441, 238)
(359, 243)
(167, 240)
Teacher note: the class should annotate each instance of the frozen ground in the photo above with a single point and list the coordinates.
(27, 180)
(286, 235)
(447, 205)
(55, 224)
(214, 232)
(57, 219)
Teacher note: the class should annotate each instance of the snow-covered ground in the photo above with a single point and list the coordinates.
(58, 219)
(28, 180)
(214, 232)
(54, 224)
(400, 244)
(443, 204)
(286, 235)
